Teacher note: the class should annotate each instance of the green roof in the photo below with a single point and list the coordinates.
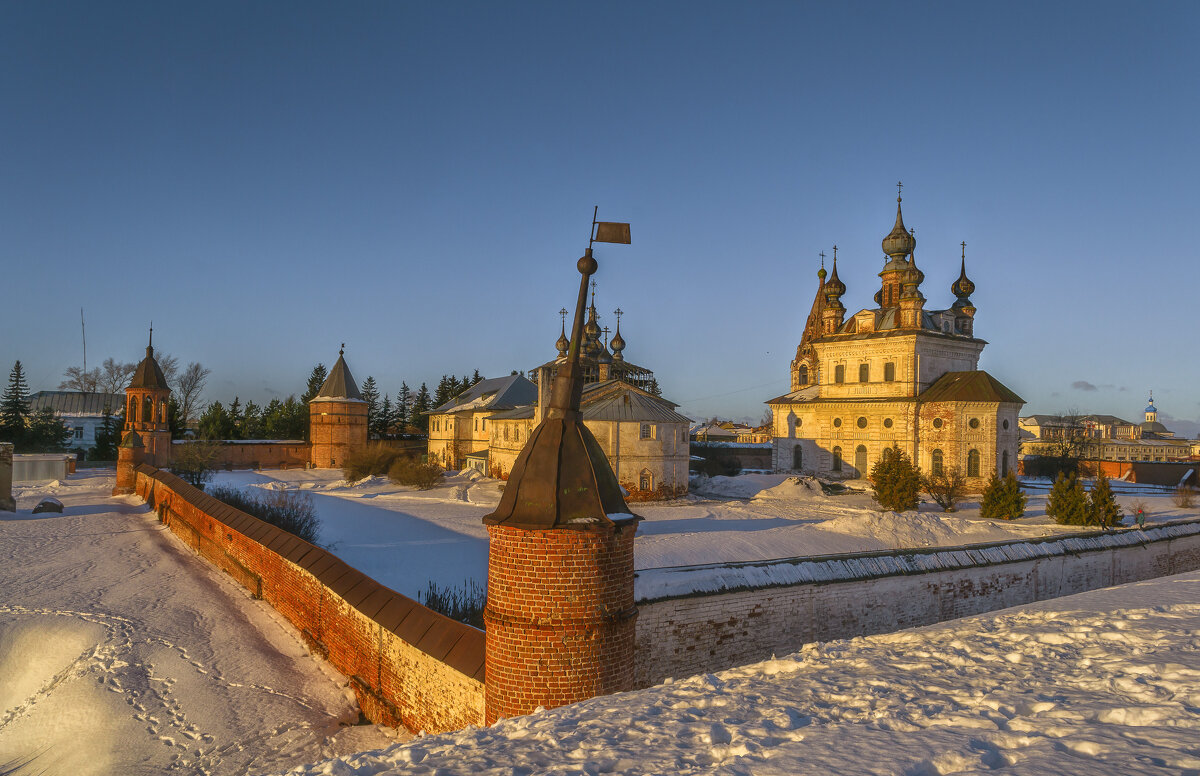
(969, 386)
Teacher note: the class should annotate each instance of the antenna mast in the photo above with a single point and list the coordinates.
(83, 331)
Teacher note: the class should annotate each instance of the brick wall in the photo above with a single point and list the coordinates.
(290, 454)
(408, 665)
(336, 428)
(560, 617)
(683, 636)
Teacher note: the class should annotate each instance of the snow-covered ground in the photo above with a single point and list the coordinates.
(1105, 682)
(405, 538)
(122, 652)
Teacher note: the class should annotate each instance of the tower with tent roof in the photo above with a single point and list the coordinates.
(337, 418)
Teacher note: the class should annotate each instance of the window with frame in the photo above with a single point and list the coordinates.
(802, 375)
(646, 480)
(973, 463)
(839, 374)
(864, 373)
(837, 459)
(936, 463)
(646, 431)
(889, 372)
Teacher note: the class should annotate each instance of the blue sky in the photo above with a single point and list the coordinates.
(268, 180)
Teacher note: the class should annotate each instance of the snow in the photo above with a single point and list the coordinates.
(407, 538)
(1105, 682)
(122, 652)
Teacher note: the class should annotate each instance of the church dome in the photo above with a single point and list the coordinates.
(899, 242)
(834, 287)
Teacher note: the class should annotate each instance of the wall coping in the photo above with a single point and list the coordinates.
(672, 582)
(458, 645)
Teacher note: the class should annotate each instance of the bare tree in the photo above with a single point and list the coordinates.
(75, 379)
(189, 387)
(115, 376)
(170, 368)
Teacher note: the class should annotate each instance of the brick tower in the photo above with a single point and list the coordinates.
(560, 609)
(146, 401)
(130, 453)
(337, 418)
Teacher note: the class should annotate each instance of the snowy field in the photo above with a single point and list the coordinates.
(121, 652)
(1105, 682)
(405, 538)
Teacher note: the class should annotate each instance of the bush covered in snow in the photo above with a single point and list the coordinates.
(371, 461)
(407, 470)
(288, 510)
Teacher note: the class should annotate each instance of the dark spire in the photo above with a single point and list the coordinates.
(834, 287)
(148, 373)
(899, 243)
(963, 287)
(562, 478)
(618, 342)
(340, 383)
(563, 343)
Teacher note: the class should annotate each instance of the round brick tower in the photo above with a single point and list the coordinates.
(146, 401)
(337, 418)
(560, 611)
(130, 453)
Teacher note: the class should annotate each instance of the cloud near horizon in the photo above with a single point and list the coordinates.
(1083, 385)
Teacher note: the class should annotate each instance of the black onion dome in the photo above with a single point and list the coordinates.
(899, 242)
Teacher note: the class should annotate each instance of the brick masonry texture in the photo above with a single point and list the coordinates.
(560, 617)
(335, 428)
(680, 637)
(408, 665)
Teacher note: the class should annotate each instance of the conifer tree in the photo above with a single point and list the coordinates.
(404, 400)
(476, 377)
(233, 427)
(315, 380)
(215, 423)
(417, 416)
(108, 436)
(1002, 498)
(252, 422)
(370, 394)
(1102, 505)
(47, 433)
(14, 408)
(383, 425)
(897, 482)
(1067, 503)
(654, 389)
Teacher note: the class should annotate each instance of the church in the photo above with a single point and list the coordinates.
(894, 374)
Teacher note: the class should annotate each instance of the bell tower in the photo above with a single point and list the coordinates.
(146, 401)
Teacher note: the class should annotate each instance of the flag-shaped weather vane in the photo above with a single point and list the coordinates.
(562, 478)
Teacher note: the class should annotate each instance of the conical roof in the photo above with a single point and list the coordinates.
(339, 385)
(148, 373)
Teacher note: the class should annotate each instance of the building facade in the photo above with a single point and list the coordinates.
(81, 412)
(896, 374)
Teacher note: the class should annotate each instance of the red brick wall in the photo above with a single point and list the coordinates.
(407, 664)
(259, 455)
(336, 428)
(560, 617)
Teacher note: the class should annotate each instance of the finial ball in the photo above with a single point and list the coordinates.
(587, 265)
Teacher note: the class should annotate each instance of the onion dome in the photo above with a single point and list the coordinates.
(618, 343)
(834, 287)
(1150, 407)
(963, 287)
(563, 343)
(603, 357)
(148, 373)
(899, 243)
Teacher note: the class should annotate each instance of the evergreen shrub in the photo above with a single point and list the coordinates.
(896, 481)
(1002, 498)
(1102, 505)
(1068, 503)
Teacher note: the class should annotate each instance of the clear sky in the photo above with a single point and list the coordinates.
(268, 180)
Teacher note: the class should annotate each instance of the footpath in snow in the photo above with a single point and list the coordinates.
(122, 652)
(1105, 682)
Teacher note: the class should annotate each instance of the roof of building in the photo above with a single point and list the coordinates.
(1154, 427)
(969, 386)
(620, 401)
(339, 385)
(494, 393)
(148, 373)
(77, 402)
(799, 396)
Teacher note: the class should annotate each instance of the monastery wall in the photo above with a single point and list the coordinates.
(408, 665)
(291, 454)
(758, 610)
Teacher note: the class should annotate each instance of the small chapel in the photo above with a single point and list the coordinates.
(893, 374)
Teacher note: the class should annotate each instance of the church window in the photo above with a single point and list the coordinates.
(837, 422)
(864, 373)
(485, 424)
(937, 422)
(889, 372)
(839, 374)
(860, 459)
(802, 375)
(162, 412)
(797, 457)
(646, 431)
(973, 463)
(1004, 464)
(133, 410)
(148, 410)
(935, 463)
(973, 423)
(862, 422)
(506, 433)
(837, 459)
(646, 480)
(887, 422)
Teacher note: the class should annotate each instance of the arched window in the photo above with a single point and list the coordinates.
(839, 374)
(797, 458)
(935, 463)
(889, 372)
(860, 460)
(1004, 464)
(147, 410)
(133, 409)
(837, 459)
(973, 463)
(162, 412)
(802, 375)
(864, 373)
(646, 480)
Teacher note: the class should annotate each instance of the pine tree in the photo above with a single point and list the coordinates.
(1102, 505)
(1067, 502)
(252, 422)
(215, 422)
(476, 377)
(1002, 498)
(233, 429)
(383, 425)
(653, 388)
(108, 436)
(404, 400)
(14, 408)
(315, 380)
(370, 394)
(420, 406)
(47, 433)
(897, 482)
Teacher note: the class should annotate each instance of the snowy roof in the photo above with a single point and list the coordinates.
(77, 403)
(339, 385)
(495, 393)
(805, 394)
(620, 401)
